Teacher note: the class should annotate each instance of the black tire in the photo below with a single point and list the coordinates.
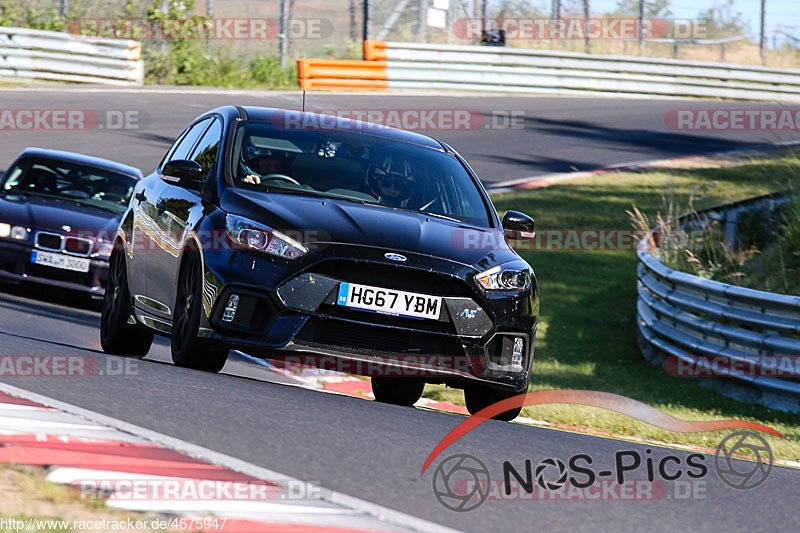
(189, 350)
(477, 398)
(116, 335)
(397, 391)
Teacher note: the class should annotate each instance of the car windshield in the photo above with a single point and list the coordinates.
(356, 166)
(75, 182)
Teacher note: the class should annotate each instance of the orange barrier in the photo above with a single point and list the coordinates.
(341, 68)
(346, 74)
(375, 50)
(328, 84)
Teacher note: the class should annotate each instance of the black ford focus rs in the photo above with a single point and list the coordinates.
(282, 233)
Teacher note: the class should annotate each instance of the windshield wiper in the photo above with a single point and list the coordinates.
(437, 215)
(78, 201)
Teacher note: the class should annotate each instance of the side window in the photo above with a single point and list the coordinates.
(184, 145)
(207, 148)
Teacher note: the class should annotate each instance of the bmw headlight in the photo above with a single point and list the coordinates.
(14, 232)
(514, 276)
(254, 236)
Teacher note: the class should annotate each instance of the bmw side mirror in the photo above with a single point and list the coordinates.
(518, 225)
(184, 173)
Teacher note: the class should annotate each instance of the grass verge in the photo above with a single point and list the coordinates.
(26, 496)
(587, 336)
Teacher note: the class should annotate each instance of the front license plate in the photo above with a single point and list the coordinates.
(388, 301)
(65, 262)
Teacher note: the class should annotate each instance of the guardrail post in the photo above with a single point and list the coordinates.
(422, 21)
(731, 228)
(282, 33)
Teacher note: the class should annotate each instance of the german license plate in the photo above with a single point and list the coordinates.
(388, 301)
(65, 262)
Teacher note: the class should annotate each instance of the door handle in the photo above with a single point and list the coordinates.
(140, 196)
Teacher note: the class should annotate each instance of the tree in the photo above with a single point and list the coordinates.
(722, 20)
(518, 8)
(652, 8)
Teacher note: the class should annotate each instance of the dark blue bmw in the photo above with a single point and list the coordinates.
(59, 212)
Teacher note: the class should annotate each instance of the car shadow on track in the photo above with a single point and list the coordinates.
(10, 294)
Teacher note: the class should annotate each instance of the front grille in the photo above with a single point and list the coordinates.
(77, 246)
(394, 277)
(361, 339)
(49, 241)
(434, 326)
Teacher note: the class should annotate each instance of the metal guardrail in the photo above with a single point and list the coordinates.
(722, 43)
(688, 318)
(515, 70)
(48, 55)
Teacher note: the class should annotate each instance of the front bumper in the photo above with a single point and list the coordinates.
(16, 266)
(295, 318)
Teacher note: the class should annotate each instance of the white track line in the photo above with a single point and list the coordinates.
(199, 452)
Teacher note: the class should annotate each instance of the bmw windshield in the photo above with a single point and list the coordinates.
(70, 181)
(356, 166)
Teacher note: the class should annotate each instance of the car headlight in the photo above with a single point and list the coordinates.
(508, 277)
(103, 249)
(254, 236)
(15, 232)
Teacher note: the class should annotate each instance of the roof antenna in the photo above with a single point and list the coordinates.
(304, 100)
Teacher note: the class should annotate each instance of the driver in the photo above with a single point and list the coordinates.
(259, 162)
(391, 180)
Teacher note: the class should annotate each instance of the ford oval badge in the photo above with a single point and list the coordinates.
(395, 257)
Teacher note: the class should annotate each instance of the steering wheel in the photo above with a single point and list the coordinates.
(281, 177)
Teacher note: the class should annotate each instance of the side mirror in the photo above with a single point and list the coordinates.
(518, 225)
(184, 173)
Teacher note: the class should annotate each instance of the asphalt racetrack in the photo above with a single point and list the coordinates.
(365, 449)
(508, 137)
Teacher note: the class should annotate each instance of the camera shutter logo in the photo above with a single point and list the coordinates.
(461, 471)
(742, 474)
(554, 483)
